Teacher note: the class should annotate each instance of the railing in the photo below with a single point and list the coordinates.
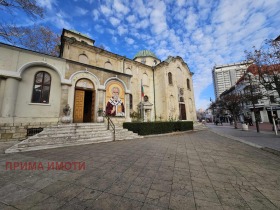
(112, 125)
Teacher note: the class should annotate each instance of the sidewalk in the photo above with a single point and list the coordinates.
(266, 139)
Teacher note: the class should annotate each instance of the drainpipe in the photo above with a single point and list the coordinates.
(153, 68)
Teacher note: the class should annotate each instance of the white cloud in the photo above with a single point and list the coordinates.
(158, 18)
(129, 41)
(46, 3)
(114, 21)
(191, 21)
(122, 30)
(80, 11)
(181, 2)
(95, 14)
(142, 24)
(131, 19)
(99, 28)
(105, 10)
(60, 22)
(141, 9)
(119, 7)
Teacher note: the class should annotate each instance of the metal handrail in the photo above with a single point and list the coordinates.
(112, 125)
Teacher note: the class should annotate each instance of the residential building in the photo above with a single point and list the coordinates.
(225, 76)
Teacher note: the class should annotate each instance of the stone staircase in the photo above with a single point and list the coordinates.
(70, 135)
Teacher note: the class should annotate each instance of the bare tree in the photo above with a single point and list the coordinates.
(233, 103)
(38, 38)
(267, 64)
(30, 7)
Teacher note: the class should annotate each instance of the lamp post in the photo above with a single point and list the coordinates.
(253, 101)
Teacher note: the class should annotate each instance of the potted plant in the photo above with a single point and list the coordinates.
(100, 117)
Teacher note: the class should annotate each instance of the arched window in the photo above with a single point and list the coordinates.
(83, 59)
(130, 101)
(108, 65)
(41, 87)
(145, 79)
(188, 84)
(170, 82)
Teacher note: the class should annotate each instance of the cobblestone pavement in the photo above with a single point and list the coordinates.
(195, 170)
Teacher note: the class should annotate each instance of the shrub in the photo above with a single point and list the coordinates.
(147, 128)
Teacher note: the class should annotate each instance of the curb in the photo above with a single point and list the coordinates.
(273, 151)
(237, 139)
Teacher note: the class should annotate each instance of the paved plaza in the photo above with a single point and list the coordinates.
(193, 170)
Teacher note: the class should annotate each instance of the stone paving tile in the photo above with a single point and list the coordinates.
(69, 192)
(206, 205)
(158, 198)
(118, 188)
(137, 192)
(182, 202)
(105, 201)
(199, 170)
(6, 207)
(48, 204)
(147, 206)
(84, 199)
(29, 201)
(11, 193)
(54, 188)
(127, 204)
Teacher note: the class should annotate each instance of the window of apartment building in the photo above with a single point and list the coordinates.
(41, 87)
(272, 99)
(170, 82)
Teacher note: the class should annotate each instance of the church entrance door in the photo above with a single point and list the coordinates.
(84, 102)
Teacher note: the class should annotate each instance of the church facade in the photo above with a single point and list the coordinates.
(35, 88)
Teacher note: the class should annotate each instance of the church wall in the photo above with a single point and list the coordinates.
(149, 61)
(144, 73)
(160, 96)
(17, 69)
(180, 74)
(96, 56)
(25, 109)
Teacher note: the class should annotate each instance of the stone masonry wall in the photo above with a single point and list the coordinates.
(18, 131)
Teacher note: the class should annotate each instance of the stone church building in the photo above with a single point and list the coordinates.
(35, 87)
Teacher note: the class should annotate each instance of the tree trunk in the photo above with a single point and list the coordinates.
(235, 121)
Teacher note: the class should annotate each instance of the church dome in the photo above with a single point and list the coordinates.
(145, 53)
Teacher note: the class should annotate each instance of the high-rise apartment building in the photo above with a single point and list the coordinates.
(225, 76)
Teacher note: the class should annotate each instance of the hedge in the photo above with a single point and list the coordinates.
(147, 128)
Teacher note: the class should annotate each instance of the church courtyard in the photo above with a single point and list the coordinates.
(192, 170)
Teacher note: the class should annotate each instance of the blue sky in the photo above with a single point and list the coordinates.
(202, 32)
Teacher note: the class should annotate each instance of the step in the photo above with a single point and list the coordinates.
(71, 135)
(65, 134)
(63, 140)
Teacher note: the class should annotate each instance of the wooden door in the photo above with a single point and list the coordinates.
(79, 106)
(182, 108)
(92, 106)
